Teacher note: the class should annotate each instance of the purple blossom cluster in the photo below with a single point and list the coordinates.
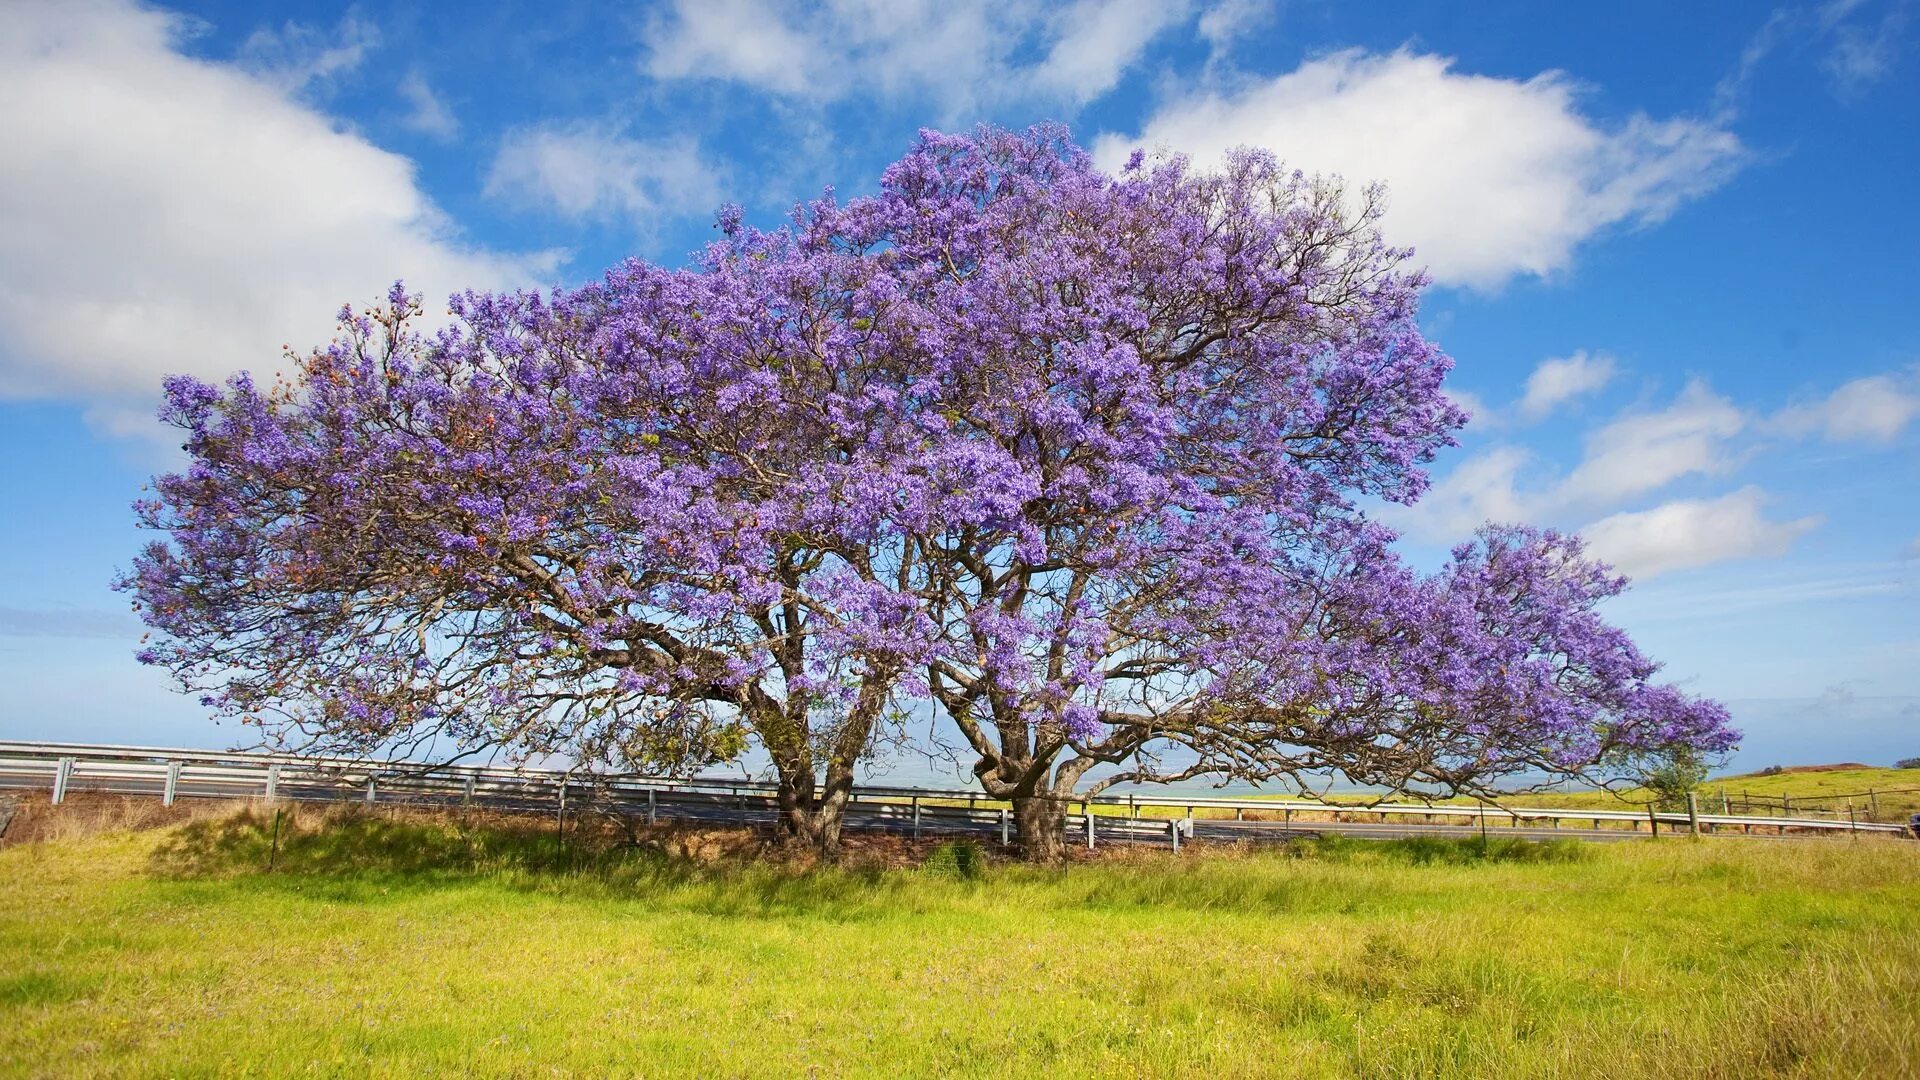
(1077, 458)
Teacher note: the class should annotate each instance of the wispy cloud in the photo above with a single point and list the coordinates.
(68, 623)
(586, 171)
(1559, 380)
(426, 112)
(1871, 409)
(299, 57)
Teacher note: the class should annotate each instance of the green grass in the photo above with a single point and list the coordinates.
(1898, 793)
(409, 946)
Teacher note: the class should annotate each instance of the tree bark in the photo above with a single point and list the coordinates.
(1040, 828)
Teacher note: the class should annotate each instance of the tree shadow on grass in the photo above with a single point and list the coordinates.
(373, 856)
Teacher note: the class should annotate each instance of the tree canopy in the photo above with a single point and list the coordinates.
(1079, 461)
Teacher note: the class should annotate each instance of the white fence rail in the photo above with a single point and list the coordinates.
(176, 773)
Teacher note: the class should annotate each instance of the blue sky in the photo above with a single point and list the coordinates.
(1676, 251)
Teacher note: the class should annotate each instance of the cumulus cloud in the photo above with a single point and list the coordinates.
(1561, 379)
(1693, 532)
(160, 213)
(1488, 177)
(1873, 409)
(586, 171)
(956, 53)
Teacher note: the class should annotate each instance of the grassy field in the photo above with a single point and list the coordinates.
(1897, 792)
(408, 945)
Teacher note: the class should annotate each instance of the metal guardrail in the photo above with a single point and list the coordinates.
(175, 773)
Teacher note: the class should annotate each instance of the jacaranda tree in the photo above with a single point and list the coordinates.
(1078, 461)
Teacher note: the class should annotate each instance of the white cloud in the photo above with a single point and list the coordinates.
(1871, 409)
(1644, 451)
(1480, 415)
(1095, 42)
(1561, 379)
(586, 171)
(299, 57)
(1855, 53)
(1488, 177)
(1480, 489)
(1693, 532)
(1224, 22)
(1635, 453)
(160, 213)
(957, 53)
(1862, 56)
(426, 113)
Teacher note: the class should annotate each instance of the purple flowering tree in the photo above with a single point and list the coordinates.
(1077, 459)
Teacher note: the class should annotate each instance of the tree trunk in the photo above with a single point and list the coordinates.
(813, 813)
(794, 798)
(1040, 828)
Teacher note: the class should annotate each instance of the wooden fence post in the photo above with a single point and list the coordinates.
(1693, 814)
(1653, 822)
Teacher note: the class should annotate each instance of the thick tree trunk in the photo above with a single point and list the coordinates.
(1040, 828)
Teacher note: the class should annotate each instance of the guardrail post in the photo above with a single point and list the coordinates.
(273, 783)
(173, 783)
(1653, 822)
(1693, 814)
(1006, 827)
(1173, 831)
(369, 790)
(1088, 807)
(62, 773)
(916, 817)
(466, 792)
(652, 813)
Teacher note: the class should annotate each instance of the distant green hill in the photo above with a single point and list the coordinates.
(1876, 794)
